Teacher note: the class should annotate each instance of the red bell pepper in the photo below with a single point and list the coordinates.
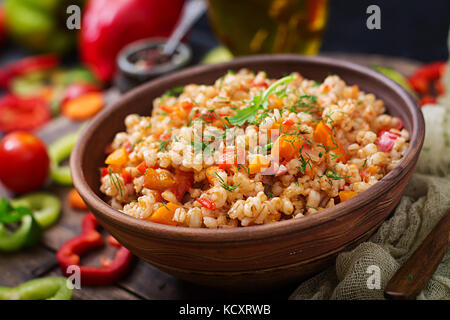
(386, 140)
(208, 204)
(109, 272)
(26, 65)
(183, 182)
(109, 25)
(18, 113)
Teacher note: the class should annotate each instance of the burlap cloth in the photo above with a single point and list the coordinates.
(426, 200)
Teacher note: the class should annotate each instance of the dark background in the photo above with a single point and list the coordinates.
(414, 29)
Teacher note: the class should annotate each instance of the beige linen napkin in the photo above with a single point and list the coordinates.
(426, 200)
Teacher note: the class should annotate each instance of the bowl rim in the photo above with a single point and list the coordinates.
(260, 232)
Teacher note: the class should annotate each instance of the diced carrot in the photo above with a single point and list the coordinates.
(324, 135)
(275, 102)
(83, 107)
(211, 173)
(289, 146)
(164, 214)
(158, 179)
(165, 108)
(186, 105)
(257, 164)
(75, 200)
(118, 158)
(346, 194)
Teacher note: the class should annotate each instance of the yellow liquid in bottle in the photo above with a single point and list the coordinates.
(269, 26)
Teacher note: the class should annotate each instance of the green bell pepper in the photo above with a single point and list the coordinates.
(46, 207)
(50, 288)
(58, 151)
(27, 234)
(41, 24)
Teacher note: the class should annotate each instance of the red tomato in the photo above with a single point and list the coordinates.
(76, 90)
(24, 162)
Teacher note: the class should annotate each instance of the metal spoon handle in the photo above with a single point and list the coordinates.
(192, 11)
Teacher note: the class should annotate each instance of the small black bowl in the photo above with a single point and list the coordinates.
(132, 74)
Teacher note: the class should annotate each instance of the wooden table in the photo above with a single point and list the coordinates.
(144, 281)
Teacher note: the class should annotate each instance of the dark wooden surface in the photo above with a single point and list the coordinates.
(144, 281)
(412, 277)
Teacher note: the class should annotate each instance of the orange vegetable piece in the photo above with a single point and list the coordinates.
(211, 173)
(158, 179)
(75, 200)
(164, 214)
(257, 163)
(119, 157)
(346, 194)
(289, 146)
(324, 135)
(83, 107)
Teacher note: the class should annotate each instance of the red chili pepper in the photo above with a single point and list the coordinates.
(70, 252)
(386, 140)
(183, 182)
(262, 84)
(426, 79)
(427, 99)
(26, 65)
(18, 113)
(288, 122)
(208, 204)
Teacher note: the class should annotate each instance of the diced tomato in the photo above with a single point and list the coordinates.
(183, 182)
(208, 204)
(126, 176)
(386, 140)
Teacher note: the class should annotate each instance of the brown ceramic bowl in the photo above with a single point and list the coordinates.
(253, 257)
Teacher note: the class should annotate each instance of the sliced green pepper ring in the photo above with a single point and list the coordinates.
(58, 151)
(49, 288)
(45, 206)
(27, 234)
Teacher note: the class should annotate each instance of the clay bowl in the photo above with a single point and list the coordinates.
(257, 257)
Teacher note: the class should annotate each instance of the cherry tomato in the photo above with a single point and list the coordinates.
(24, 162)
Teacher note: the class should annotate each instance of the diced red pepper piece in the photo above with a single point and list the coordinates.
(386, 140)
(142, 167)
(208, 204)
(127, 178)
(231, 156)
(183, 182)
(105, 171)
